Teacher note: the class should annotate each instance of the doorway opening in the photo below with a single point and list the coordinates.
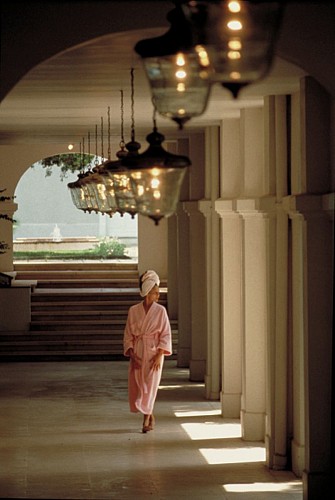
(49, 227)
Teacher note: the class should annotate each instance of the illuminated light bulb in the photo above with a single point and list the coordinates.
(234, 54)
(155, 172)
(234, 6)
(181, 73)
(70, 147)
(235, 75)
(140, 190)
(155, 183)
(181, 87)
(157, 195)
(235, 44)
(180, 60)
(234, 25)
(181, 111)
(204, 75)
(203, 56)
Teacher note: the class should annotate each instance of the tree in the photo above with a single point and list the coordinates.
(68, 163)
(3, 245)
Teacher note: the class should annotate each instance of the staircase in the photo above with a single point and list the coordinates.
(78, 312)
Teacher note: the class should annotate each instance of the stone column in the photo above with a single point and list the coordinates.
(212, 378)
(231, 308)
(184, 289)
(172, 270)
(298, 320)
(212, 250)
(257, 259)
(277, 395)
(314, 232)
(197, 263)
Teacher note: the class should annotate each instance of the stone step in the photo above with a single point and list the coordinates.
(71, 274)
(65, 335)
(107, 305)
(82, 316)
(113, 325)
(67, 344)
(116, 295)
(77, 266)
(86, 283)
(78, 311)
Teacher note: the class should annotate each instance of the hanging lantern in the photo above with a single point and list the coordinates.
(178, 72)
(238, 36)
(209, 41)
(156, 177)
(81, 197)
(75, 194)
(119, 176)
(101, 183)
(100, 187)
(117, 172)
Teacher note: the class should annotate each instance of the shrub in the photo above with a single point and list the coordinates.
(109, 247)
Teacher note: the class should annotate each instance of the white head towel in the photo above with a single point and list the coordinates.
(149, 280)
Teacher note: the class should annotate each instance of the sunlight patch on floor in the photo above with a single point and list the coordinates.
(262, 487)
(211, 430)
(205, 413)
(173, 387)
(220, 456)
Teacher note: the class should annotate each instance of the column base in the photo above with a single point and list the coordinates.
(211, 394)
(298, 458)
(230, 405)
(183, 357)
(197, 370)
(253, 426)
(316, 485)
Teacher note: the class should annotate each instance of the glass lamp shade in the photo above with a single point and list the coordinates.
(156, 177)
(238, 36)
(119, 179)
(74, 191)
(180, 85)
(80, 195)
(104, 191)
(178, 70)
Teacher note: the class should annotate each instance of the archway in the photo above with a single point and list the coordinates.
(53, 228)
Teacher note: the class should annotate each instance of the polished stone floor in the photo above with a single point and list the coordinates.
(66, 432)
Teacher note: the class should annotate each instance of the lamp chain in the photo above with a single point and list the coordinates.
(102, 138)
(83, 152)
(122, 143)
(109, 133)
(132, 105)
(80, 158)
(96, 161)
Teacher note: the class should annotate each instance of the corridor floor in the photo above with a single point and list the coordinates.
(66, 432)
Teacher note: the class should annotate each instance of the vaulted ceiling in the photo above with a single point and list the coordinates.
(63, 98)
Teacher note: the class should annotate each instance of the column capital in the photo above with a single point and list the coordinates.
(205, 207)
(256, 206)
(225, 207)
(191, 207)
(246, 206)
(309, 204)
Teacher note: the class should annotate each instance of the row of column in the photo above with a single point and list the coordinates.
(255, 287)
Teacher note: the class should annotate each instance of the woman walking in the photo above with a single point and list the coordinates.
(147, 339)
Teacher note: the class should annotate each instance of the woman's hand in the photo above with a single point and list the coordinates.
(156, 360)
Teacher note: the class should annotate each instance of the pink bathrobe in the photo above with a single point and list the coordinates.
(146, 333)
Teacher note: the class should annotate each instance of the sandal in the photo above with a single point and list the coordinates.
(151, 422)
(146, 424)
